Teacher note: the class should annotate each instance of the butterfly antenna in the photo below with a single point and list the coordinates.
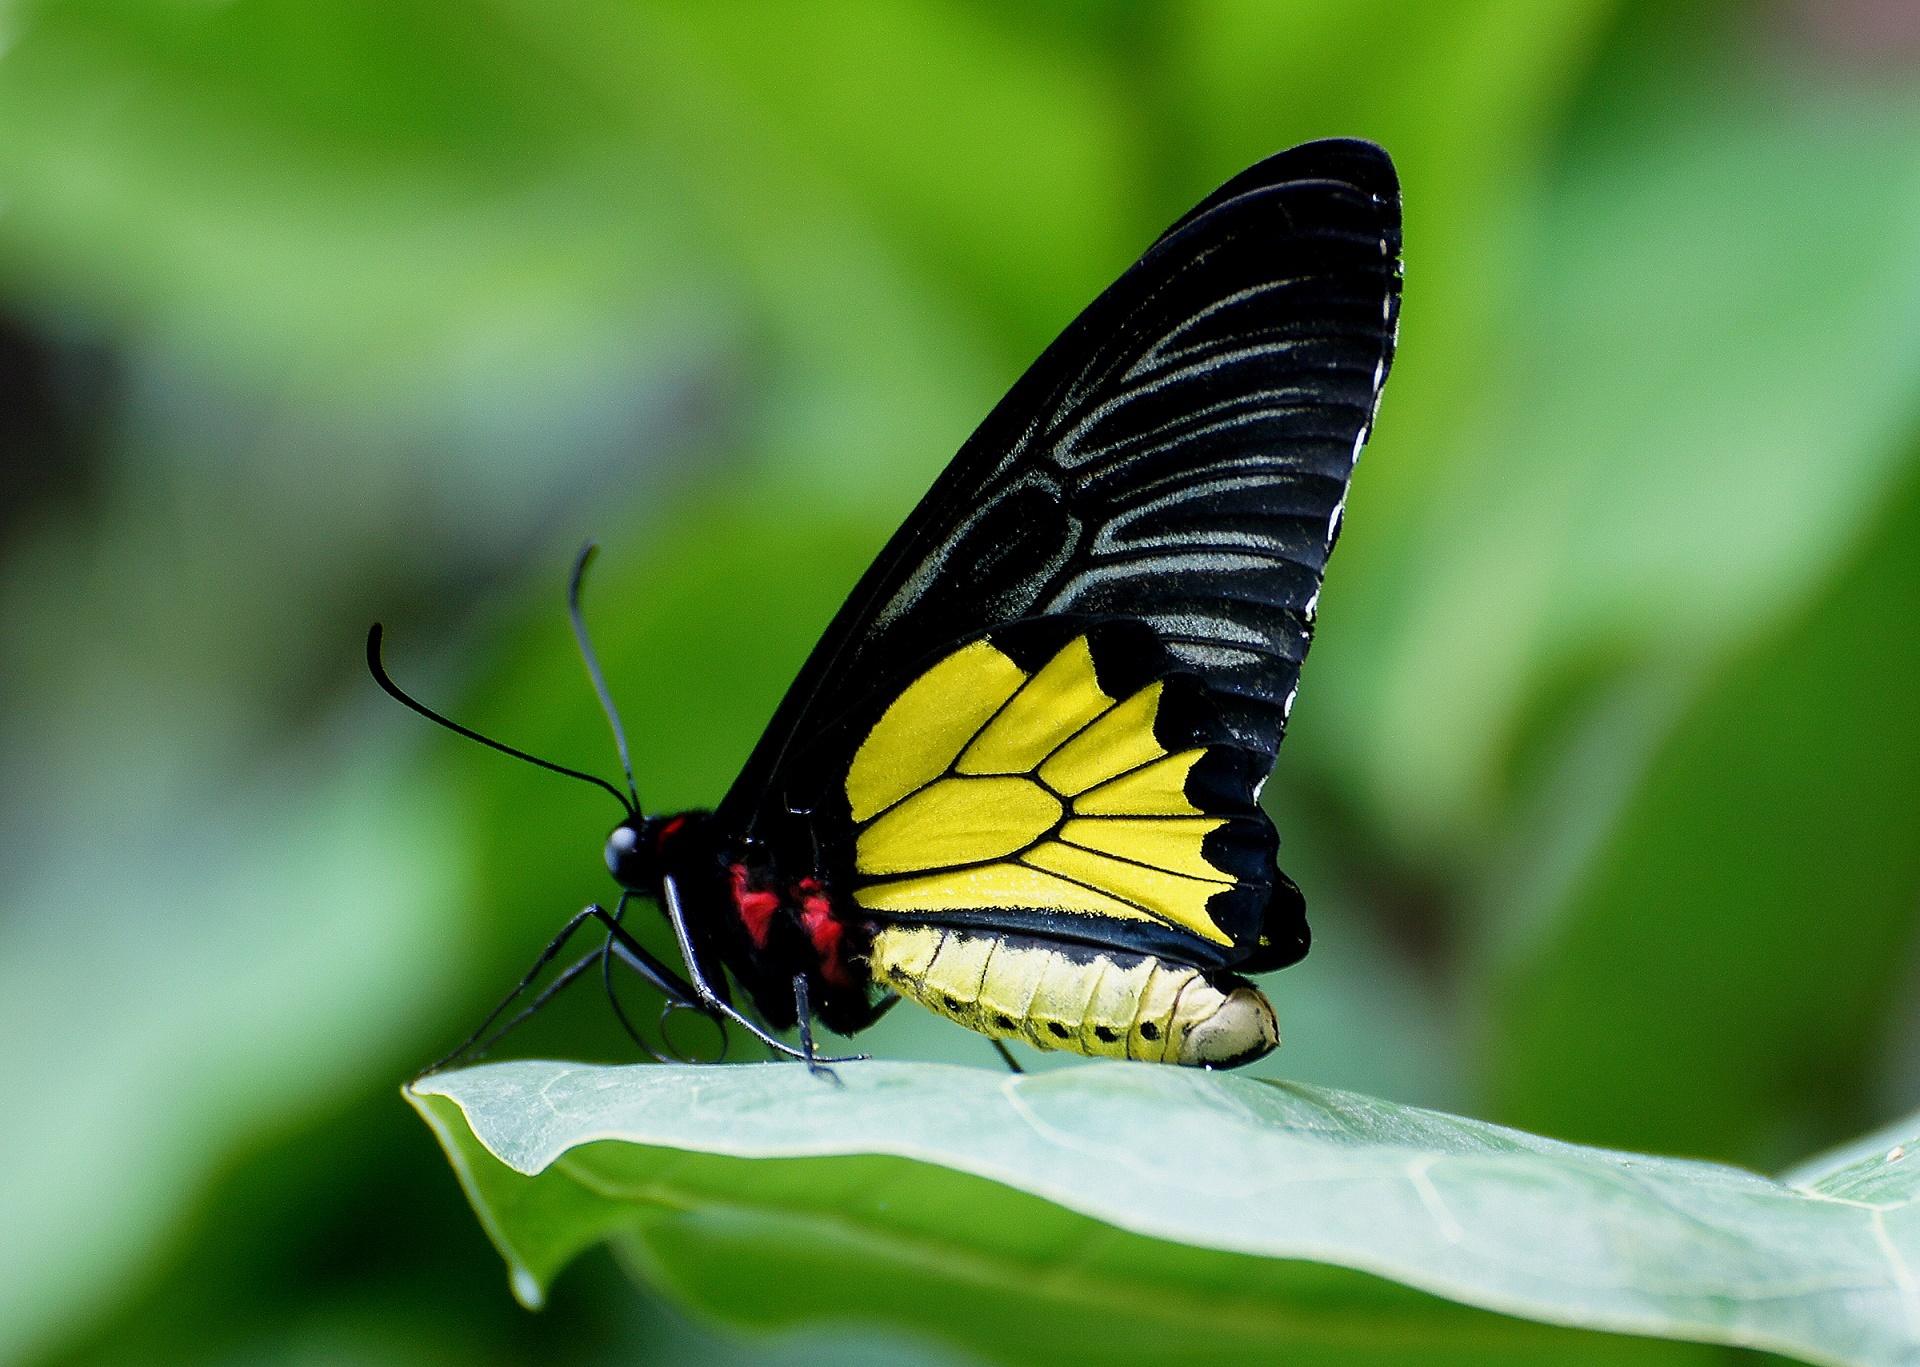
(380, 677)
(593, 667)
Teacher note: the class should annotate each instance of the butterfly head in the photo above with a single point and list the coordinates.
(633, 853)
(643, 849)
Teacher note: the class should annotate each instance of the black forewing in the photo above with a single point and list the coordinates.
(1179, 455)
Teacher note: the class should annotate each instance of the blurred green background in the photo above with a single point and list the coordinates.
(1604, 786)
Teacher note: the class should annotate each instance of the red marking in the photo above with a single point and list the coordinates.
(817, 919)
(666, 831)
(756, 908)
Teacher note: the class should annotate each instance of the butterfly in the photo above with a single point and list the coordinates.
(1018, 779)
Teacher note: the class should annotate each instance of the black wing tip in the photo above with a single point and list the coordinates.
(1355, 162)
(1362, 164)
(1351, 161)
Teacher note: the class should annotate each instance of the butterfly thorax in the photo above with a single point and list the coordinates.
(762, 917)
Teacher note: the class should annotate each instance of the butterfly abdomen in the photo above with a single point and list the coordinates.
(1058, 996)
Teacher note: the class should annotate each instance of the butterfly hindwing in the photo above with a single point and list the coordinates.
(1066, 777)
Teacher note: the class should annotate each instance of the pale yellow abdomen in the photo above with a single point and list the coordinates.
(1086, 1001)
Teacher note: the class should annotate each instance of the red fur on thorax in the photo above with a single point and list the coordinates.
(756, 908)
(824, 929)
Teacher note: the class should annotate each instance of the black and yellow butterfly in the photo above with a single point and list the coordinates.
(1018, 780)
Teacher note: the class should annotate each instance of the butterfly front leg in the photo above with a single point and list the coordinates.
(619, 944)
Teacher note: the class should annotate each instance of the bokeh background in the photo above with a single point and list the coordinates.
(1604, 786)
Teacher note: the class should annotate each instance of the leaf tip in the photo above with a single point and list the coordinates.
(527, 1289)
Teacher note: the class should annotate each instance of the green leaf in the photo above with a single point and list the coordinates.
(1111, 1213)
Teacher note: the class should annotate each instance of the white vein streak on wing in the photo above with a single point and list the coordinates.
(1217, 358)
(1333, 328)
(1207, 630)
(1226, 474)
(1175, 500)
(1189, 426)
(1241, 654)
(1070, 442)
(1149, 357)
(1160, 564)
(1203, 552)
(1109, 406)
(1087, 381)
(1287, 397)
(1206, 479)
(1231, 538)
(1331, 336)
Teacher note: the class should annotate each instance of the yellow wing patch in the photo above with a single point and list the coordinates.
(957, 821)
(1171, 843)
(994, 788)
(1119, 741)
(1170, 896)
(924, 729)
(1059, 700)
(1158, 789)
(993, 885)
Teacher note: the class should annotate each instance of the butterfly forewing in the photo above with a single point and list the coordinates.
(1179, 456)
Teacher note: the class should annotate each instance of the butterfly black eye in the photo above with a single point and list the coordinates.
(621, 846)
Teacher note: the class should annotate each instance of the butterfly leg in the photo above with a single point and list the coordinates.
(635, 956)
(613, 998)
(547, 956)
(679, 994)
(803, 1008)
(476, 1048)
(1006, 1056)
(624, 947)
(710, 1000)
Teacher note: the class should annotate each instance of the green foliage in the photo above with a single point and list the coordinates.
(1702, 299)
(1197, 1216)
(1743, 1020)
